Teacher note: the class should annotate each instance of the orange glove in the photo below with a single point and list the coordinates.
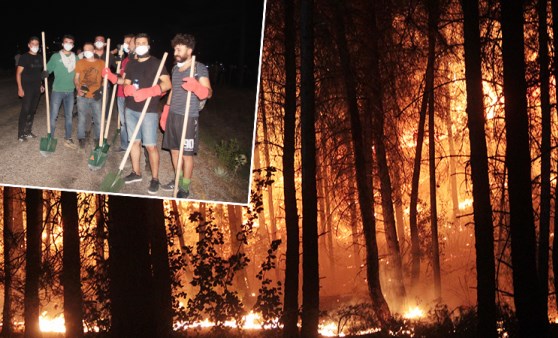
(110, 75)
(193, 85)
(142, 94)
(129, 90)
(164, 116)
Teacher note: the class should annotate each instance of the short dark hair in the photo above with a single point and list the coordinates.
(133, 36)
(88, 43)
(143, 35)
(68, 36)
(187, 40)
(33, 38)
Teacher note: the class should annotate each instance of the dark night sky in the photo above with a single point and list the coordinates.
(216, 24)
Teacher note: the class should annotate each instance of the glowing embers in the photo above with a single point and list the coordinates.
(414, 313)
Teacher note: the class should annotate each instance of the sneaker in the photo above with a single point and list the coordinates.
(120, 150)
(182, 193)
(133, 177)
(70, 143)
(21, 138)
(30, 135)
(153, 186)
(168, 187)
(81, 143)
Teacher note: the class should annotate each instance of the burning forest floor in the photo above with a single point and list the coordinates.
(226, 130)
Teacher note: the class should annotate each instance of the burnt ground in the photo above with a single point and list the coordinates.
(228, 115)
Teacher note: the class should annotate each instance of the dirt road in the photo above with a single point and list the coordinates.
(66, 169)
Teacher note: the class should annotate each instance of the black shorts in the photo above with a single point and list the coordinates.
(173, 131)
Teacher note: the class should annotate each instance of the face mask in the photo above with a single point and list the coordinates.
(125, 47)
(34, 49)
(141, 50)
(180, 64)
(68, 46)
(88, 54)
(99, 44)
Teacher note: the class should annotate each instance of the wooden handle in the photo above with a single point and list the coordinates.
(184, 127)
(111, 105)
(46, 83)
(142, 116)
(103, 104)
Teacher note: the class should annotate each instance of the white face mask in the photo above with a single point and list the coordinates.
(99, 44)
(126, 47)
(180, 64)
(34, 49)
(88, 54)
(141, 50)
(68, 47)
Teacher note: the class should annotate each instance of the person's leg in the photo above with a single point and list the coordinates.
(83, 109)
(24, 112)
(96, 106)
(149, 132)
(55, 102)
(34, 104)
(132, 118)
(121, 101)
(68, 109)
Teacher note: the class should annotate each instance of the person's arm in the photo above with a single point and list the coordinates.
(204, 81)
(51, 64)
(165, 83)
(76, 83)
(19, 70)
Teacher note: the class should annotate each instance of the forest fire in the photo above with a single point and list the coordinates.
(52, 324)
(414, 313)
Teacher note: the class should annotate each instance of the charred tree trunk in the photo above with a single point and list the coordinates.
(377, 109)
(555, 73)
(364, 186)
(9, 248)
(433, 16)
(162, 292)
(270, 203)
(71, 278)
(399, 214)
(310, 269)
(31, 303)
(131, 288)
(544, 224)
(237, 246)
(528, 298)
(482, 208)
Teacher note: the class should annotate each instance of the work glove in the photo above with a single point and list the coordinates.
(142, 94)
(129, 90)
(164, 116)
(193, 85)
(110, 75)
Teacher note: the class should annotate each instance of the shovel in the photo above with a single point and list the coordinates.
(113, 182)
(47, 145)
(98, 158)
(183, 135)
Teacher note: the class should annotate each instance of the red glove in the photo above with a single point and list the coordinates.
(129, 90)
(142, 94)
(164, 116)
(110, 75)
(193, 85)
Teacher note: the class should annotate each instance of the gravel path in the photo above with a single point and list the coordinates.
(67, 169)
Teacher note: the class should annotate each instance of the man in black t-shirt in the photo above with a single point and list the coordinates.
(29, 75)
(140, 74)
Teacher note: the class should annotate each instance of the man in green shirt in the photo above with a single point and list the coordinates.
(63, 65)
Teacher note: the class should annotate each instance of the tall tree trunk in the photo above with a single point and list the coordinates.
(262, 230)
(162, 292)
(131, 289)
(482, 208)
(364, 186)
(433, 15)
(533, 321)
(377, 109)
(31, 303)
(555, 73)
(71, 278)
(544, 225)
(270, 203)
(357, 261)
(237, 246)
(310, 269)
(9, 248)
(399, 214)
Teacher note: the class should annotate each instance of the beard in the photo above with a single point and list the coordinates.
(179, 58)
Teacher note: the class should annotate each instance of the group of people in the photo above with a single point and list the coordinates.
(81, 77)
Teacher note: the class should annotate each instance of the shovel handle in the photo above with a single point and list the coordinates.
(46, 83)
(142, 116)
(183, 135)
(103, 104)
(111, 105)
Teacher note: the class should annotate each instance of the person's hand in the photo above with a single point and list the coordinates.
(42, 89)
(109, 74)
(164, 116)
(44, 74)
(20, 92)
(193, 85)
(129, 90)
(142, 94)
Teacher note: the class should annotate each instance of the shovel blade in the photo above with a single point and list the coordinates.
(47, 145)
(113, 182)
(97, 159)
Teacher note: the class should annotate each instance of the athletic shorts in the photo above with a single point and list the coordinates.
(147, 133)
(173, 131)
